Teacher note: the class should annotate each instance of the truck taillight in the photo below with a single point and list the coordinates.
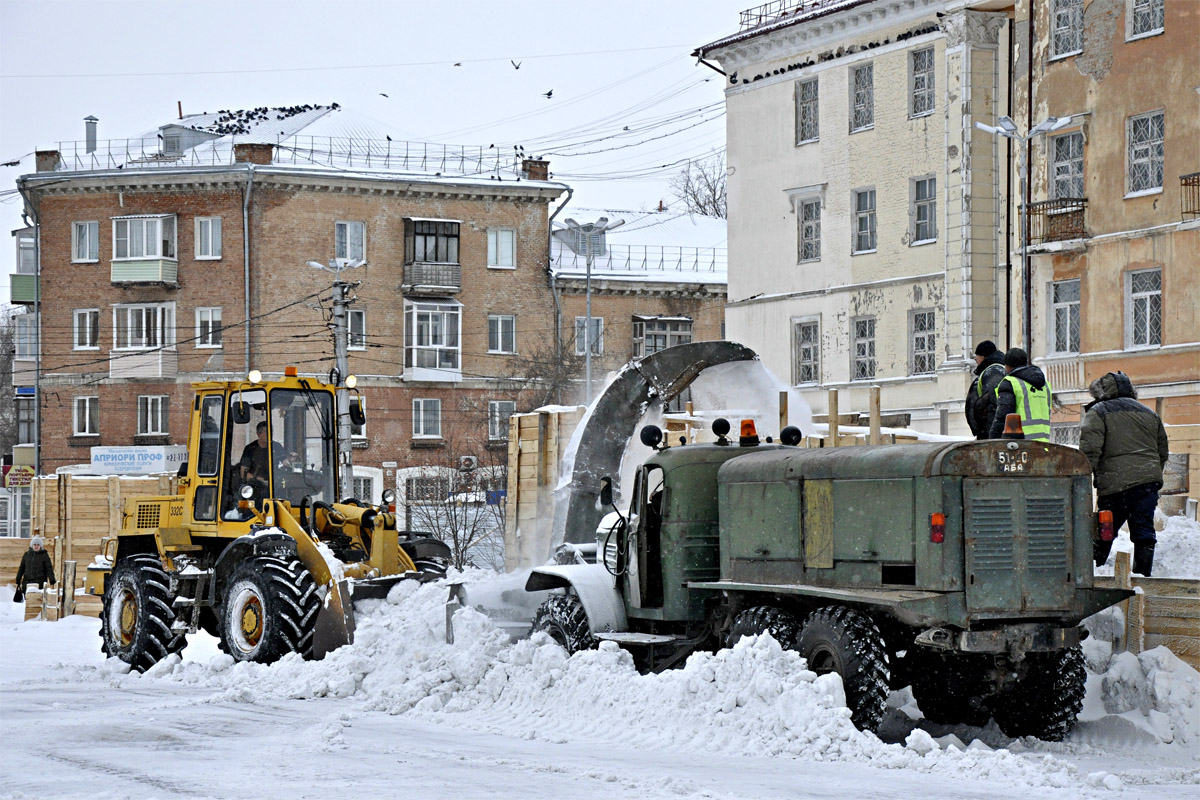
(1106, 526)
(937, 527)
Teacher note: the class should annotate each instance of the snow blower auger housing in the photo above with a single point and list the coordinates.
(255, 549)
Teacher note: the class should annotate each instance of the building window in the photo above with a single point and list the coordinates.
(502, 333)
(1144, 18)
(924, 210)
(862, 101)
(431, 337)
(350, 241)
(87, 416)
(1067, 27)
(144, 237)
(1064, 314)
(152, 414)
(26, 344)
(806, 352)
(26, 252)
(358, 330)
(922, 342)
(432, 241)
(359, 431)
(921, 83)
(143, 326)
(864, 348)
(810, 230)
(208, 327)
(208, 238)
(1144, 148)
(1068, 166)
(502, 247)
(26, 420)
(652, 334)
(864, 221)
(498, 413)
(582, 336)
(1144, 304)
(87, 329)
(427, 418)
(85, 242)
(808, 127)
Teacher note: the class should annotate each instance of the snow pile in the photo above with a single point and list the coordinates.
(1177, 553)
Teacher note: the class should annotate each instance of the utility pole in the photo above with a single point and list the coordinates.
(589, 230)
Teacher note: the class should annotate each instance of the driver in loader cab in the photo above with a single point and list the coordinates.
(255, 465)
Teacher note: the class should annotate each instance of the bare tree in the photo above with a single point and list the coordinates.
(548, 375)
(701, 186)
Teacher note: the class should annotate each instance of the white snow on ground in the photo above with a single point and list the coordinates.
(591, 722)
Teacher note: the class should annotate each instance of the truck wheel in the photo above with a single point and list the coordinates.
(953, 701)
(135, 624)
(563, 618)
(1047, 701)
(764, 619)
(270, 610)
(842, 640)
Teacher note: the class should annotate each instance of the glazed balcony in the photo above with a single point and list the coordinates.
(423, 277)
(145, 272)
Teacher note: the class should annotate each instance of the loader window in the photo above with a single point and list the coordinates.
(302, 448)
(209, 457)
(239, 455)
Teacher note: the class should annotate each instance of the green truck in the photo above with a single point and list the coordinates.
(961, 569)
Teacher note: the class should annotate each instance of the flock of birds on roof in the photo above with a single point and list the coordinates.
(242, 120)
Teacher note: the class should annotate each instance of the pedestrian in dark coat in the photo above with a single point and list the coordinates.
(981, 395)
(1035, 419)
(1126, 444)
(36, 566)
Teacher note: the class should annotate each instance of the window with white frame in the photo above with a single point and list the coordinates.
(585, 333)
(85, 242)
(1144, 307)
(1067, 167)
(357, 320)
(921, 100)
(26, 336)
(359, 431)
(810, 230)
(434, 241)
(499, 412)
(806, 351)
(863, 365)
(208, 326)
(144, 237)
(922, 342)
(431, 336)
(1144, 18)
(1064, 316)
(140, 327)
(427, 418)
(652, 334)
(364, 488)
(86, 416)
(86, 328)
(208, 238)
(864, 221)
(808, 127)
(1066, 27)
(1144, 151)
(152, 414)
(924, 209)
(502, 333)
(862, 97)
(502, 247)
(350, 241)
(27, 256)
(26, 419)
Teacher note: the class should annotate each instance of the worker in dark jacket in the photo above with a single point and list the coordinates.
(1127, 446)
(36, 566)
(1024, 391)
(981, 395)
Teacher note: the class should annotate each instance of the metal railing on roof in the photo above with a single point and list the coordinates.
(645, 258)
(778, 9)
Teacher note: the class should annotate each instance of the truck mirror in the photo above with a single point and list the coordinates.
(241, 411)
(357, 415)
(606, 497)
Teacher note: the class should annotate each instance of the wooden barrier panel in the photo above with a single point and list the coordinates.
(536, 444)
(1165, 612)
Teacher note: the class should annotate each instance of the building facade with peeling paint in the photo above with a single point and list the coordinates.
(866, 217)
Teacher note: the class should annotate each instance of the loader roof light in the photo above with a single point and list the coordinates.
(351, 381)
(255, 376)
(937, 527)
(289, 372)
(749, 434)
(1106, 526)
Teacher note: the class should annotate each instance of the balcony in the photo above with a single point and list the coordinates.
(145, 271)
(1064, 372)
(429, 278)
(23, 288)
(1057, 220)
(143, 363)
(1189, 200)
(24, 371)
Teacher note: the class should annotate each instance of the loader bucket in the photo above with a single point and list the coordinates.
(335, 621)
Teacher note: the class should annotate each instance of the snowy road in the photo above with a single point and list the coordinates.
(419, 718)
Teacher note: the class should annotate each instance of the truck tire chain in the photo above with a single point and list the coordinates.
(564, 615)
(1047, 702)
(754, 621)
(865, 677)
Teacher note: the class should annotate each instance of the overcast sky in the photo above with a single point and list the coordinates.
(611, 64)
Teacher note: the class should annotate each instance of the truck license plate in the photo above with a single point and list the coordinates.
(1011, 461)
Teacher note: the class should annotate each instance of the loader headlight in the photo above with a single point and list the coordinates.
(388, 497)
(254, 376)
(246, 492)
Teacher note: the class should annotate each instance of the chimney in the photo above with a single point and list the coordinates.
(46, 160)
(89, 127)
(535, 169)
(253, 153)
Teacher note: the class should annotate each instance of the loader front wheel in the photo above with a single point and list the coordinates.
(270, 610)
(135, 624)
(563, 617)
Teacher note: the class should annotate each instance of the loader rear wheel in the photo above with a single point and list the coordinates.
(270, 610)
(563, 617)
(135, 624)
(781, 624)
(842, 640)
(1047, 701)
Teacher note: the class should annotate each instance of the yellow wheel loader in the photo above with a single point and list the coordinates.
(256, 548)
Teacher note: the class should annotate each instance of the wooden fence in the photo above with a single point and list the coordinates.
(1166, 611)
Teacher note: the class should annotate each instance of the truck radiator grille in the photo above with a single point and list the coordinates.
(1046, 518)
(993, 530)
(147, 515)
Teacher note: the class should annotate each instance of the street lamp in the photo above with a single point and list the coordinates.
(1006, 128)
(589, 230)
